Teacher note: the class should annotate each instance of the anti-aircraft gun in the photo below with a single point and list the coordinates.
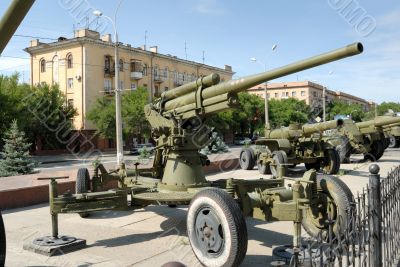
(374, 134)
(215, 221)
(8, 25)
(293, 145)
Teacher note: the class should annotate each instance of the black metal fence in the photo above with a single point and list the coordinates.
(371, 231)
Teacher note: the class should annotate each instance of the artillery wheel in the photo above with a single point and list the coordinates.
(331, 162)
(262, 167)
(376, 152)
(336, 199)
(216, 229)
(2, 242)
(82, 185)
(393, 142)
(344, 151)
(247, 159)
(280, 159)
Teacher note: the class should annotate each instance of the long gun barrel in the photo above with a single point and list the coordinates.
(305, 130)
(11, 20)
(190, 97)
(378, 122)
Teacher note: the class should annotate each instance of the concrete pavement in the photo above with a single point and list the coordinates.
(153, 235)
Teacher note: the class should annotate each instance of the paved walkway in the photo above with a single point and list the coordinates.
(153, 235)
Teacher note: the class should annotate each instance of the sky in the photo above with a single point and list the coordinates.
(233, 31)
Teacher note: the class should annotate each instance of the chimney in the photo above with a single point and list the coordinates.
(34, 42)
(106, 38)
(154, 49)
(228, 68)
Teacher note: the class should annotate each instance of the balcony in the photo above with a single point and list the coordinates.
(136, 75)
(109, 91)
(158, 78)
(178, 82)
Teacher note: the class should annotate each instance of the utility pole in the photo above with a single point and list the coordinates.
(118, 117)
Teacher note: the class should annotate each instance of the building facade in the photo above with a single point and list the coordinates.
(310, 92)
(83, 67)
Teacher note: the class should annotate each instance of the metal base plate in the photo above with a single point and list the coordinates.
(50, 246)
(285, 253)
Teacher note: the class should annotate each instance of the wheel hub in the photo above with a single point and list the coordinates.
(209, 232)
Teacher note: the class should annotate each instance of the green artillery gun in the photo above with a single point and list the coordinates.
(348, 140)
(293, 145)
(393, 132)
(215, 221)
(374, 134)
(8, 25)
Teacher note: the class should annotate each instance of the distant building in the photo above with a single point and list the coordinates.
(310, 92)
(83, 67)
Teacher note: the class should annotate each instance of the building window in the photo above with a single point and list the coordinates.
(70, 103)
(121, 84)
(121, 65)
(42, 65)
(107, 85)
(70, 83)
(166, 72)
(276, 95)
(303, 93)
(107, 63)
(268, 96)
(69, 61)
(145, 70)
(293, 94)
(165, 88)
(133, 86)
(315, 94)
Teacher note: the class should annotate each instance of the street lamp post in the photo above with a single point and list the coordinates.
(118, 117)
(267, 125)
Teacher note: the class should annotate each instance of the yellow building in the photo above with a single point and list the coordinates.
(310, 92)
(83, 67)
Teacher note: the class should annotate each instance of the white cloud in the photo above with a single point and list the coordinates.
(10, 65)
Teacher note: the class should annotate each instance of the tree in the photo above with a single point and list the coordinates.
(103, 114)
(385, 106)
(249, 117)
(336, 107)
(286, 111)
(16, 159)
(49, 115)
(40, 111)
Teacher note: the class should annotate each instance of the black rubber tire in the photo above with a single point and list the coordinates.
(313, 165)
(335, 189)
(2, 242)
(280, 159)
(82, 185)
(331, 162)
(380, 149)
(247, 159)
(393, 142)
(344, 151)
(386, 143)
(263, 168)
(217, 204)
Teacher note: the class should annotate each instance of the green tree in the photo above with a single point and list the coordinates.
(385, 106)
(50, 117)
(285, 111)
(103, 114)
(16, 159)
(244, 119)
(336, 107)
